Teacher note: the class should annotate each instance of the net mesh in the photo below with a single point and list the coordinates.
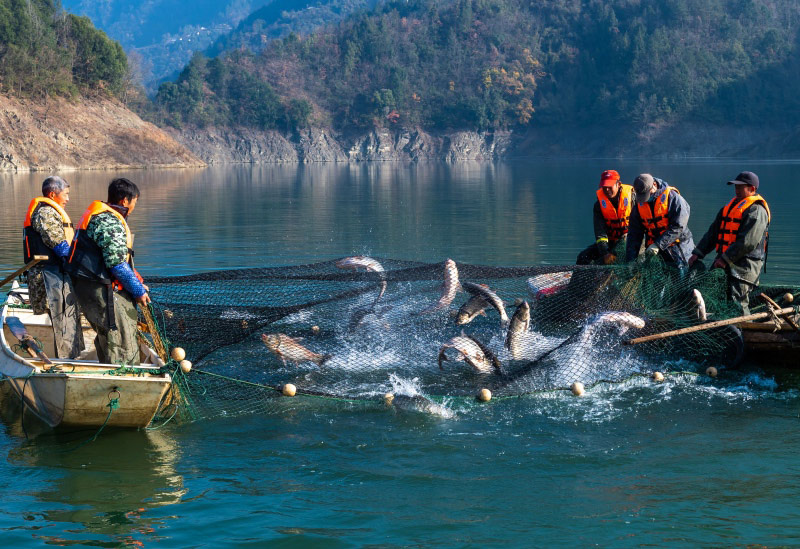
(365, 327)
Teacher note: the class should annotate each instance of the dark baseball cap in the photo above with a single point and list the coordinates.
(745, 178)
(643, 185)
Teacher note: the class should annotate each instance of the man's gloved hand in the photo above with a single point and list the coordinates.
(652, 250)
(609, 258)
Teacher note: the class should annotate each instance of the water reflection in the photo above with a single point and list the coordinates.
(524, 212)
(104, 493)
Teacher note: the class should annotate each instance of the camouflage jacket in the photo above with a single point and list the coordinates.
(109, 234)
(47, 222)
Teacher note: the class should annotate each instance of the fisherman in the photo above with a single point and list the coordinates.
(661, 218)
(739, 234)
(612, 212)
(107, 285)
(48, 231)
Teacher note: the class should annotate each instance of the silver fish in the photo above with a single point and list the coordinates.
(468, 351)
(363, 262)
(471, 309)
(700, 304)
(450, 288)
(623, 320)
(418, 403)
(520, 325)
(492, 298)
(288, 348)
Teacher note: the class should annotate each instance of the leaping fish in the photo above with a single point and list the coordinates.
(474, 307)
(491, 298)
(520, 325)
(288, 348)
(468, 351)
(367, 263)
(622, 319)
(450, 288)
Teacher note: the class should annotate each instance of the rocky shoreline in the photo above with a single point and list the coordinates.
(100, 133)
(241, 145)
(61, 135)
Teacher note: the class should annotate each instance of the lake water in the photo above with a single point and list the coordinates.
(690, 462)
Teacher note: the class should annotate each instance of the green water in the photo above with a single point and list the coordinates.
(691, 462)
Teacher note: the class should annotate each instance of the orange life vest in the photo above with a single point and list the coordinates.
(732, 219)
(654, 217)
(33, 242)
(86, 257)
(616, 219)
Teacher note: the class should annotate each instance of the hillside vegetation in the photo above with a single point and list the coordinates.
(46, 51)
(505, 64)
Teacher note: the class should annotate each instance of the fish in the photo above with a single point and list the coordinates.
(498, 366)
(520, 325)
(367, 263)
(491, 298)
(468, 351)
(622, 319)
(418, 403)
(470, 310)
(450, 288)
(288, 348)
(700, 304)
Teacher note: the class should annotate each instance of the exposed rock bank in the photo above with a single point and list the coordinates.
(62, 135)
(223, 146)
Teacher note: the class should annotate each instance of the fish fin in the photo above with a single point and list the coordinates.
(482, 313)
(442, 358)
(323, 359)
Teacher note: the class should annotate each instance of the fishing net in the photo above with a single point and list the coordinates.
(360, 332)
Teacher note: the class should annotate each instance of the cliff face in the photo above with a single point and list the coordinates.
(63, 135)
(221, 146)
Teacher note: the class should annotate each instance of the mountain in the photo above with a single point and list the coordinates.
(62, 88)
(161, 35)
(281, 17)
(625, 69)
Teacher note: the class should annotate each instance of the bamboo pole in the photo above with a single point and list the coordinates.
(708, 326)
(15, 274)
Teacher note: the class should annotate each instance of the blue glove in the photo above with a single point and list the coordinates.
(127, 278)
(62, 249)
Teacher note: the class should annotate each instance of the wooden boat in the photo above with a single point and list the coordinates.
(768, 344)
(76, 393)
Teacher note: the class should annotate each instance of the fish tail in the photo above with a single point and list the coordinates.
(323, 359)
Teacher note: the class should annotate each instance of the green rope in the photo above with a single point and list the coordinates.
(113, 404)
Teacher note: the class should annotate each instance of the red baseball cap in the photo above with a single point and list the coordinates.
(608, 178)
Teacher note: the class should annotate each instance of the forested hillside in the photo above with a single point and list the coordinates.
(492, 64)
(45, 51)
(281, 17)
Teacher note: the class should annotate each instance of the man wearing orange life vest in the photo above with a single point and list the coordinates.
(47, 230)
(661, 219)
(106, 284)
(739, 235)
(611, 214)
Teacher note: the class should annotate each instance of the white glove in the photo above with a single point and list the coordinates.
(652, 250)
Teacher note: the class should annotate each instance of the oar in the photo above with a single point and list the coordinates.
(151, 326)
(774, 306)
(17, 328)
(709, 325)
(15, 274)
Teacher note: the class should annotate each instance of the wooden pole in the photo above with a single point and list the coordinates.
(708, 326)
(772, 305)
(15, 274)
(151, 325)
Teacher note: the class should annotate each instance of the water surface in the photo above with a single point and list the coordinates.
(690, 462)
